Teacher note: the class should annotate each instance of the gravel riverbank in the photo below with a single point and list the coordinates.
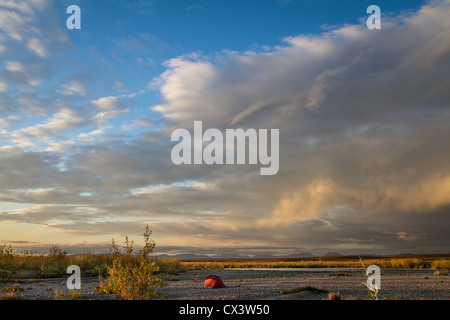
(410, 284)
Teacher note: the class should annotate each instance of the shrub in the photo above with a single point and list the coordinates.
(149, 245)
(334, 296)
(130, 281)
(91, 264)
(4, 274)
(11, 296)
(7, 251)
(373, 292)
(170, 266)
(408, 263)
(54, 269)
(71, 294)
(133, 277)
(400, 263)
(15, 288)
(57, 253)
(13, 292)
(440, 264)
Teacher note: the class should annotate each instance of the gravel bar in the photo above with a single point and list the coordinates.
(263, 284)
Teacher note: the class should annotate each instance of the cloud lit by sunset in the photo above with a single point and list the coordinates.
(86, 118)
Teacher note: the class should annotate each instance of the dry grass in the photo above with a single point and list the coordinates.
(440, 273)
(21, 266)
(15, 288)
(13, 292)
(54, 265)
(334, 296)
(401, 262)
(69, 295)
(441, 264)
(10, 296)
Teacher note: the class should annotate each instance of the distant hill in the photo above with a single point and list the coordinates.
(182, 256)
(187, 256)
(299, 255)
(332, 254)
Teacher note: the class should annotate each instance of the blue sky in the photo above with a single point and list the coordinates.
(161, 30)
(86, 117)
(133, 39)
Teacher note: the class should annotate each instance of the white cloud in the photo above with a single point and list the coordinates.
(74, 88)
(59, 147)
(108, 103)
(64, 119)
(35, 82)
(11, 23)
(3, 86)
(363, 118)
(30, 107)
(15, 66)
(88, 137)
(17, 18)
(26, 43)
(356, 111)
(101, 117)
(141, 122)
(407, 237)
(38, 47)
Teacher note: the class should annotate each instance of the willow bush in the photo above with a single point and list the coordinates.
(133, 277)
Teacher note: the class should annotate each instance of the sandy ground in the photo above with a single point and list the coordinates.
(412, 284)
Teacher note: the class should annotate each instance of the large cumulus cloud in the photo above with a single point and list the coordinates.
(364, 123)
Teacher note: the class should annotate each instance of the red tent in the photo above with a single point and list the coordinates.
(213, 281)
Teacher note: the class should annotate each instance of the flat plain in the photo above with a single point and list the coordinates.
(268, 284)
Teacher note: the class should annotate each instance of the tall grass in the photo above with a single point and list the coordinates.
(54, 264)
(50, 266)
(440, 264)
(395, 263)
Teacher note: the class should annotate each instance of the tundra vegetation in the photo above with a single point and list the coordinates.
(126, 273)
(441, 262)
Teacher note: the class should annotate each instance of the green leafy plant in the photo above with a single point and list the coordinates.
(133, 277)
(373, 292)
(132, 281)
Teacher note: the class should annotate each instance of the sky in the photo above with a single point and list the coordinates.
(86, 117)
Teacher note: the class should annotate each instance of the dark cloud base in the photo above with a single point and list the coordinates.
(364, 122)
